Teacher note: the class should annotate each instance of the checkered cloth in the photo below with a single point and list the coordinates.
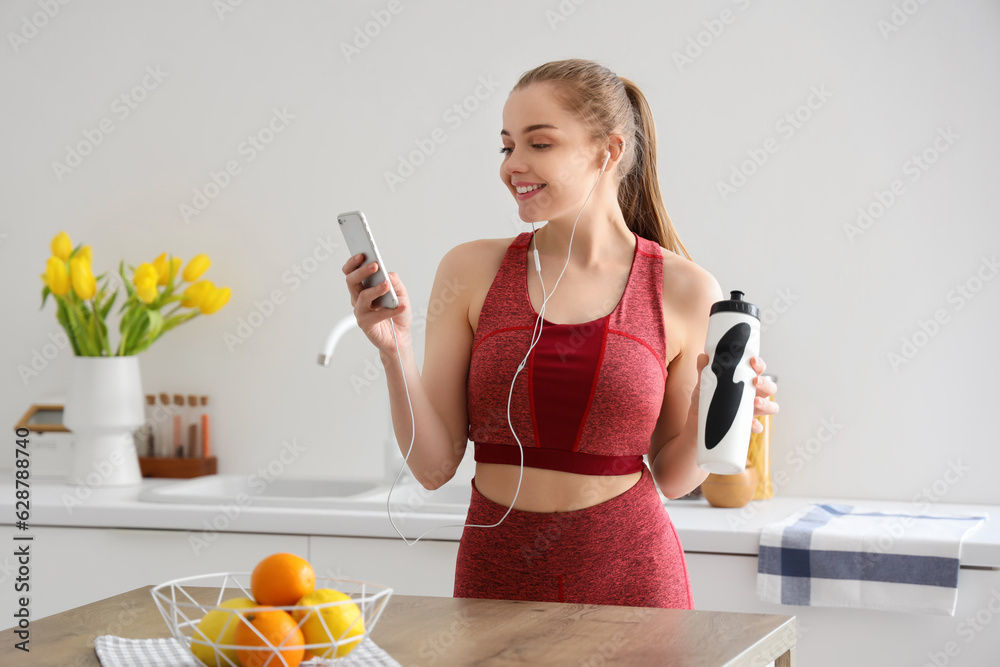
(845, 556)
(115, 651)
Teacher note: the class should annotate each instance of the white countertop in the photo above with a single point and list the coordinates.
(701, 527)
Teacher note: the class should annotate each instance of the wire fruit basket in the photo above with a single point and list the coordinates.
(184, 602)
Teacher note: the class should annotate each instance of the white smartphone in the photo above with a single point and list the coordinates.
(359, 239)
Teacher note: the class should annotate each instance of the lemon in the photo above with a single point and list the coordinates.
(343, 621)
(219, 627)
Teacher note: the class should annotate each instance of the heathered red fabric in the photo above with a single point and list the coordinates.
(586, 402)
(624, 551)
(595, 388)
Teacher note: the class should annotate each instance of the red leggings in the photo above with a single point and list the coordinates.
(623, 551)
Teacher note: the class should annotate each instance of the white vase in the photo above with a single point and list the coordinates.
(103, 408)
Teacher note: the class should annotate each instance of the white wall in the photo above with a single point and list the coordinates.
(834, 307)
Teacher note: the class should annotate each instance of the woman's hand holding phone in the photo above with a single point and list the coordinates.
(371, 317)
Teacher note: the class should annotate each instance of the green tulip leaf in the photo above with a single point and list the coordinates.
(106, 308)
(155, 319)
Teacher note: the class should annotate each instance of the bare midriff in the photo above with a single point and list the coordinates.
(549, 490)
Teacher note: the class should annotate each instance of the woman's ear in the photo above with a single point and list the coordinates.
(616, 146)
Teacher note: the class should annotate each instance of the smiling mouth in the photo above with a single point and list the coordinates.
(530, 188)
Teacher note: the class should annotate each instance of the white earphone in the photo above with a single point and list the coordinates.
(607, 156)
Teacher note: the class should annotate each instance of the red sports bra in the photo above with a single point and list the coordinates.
(588, 398)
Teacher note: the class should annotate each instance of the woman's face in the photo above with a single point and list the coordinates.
(548, 151)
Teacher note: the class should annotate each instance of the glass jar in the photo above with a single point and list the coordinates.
(759, 454)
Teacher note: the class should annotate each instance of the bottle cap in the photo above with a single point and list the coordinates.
(735, 304)
(192, 400)
(150, 399)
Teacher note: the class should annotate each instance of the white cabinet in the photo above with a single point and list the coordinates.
(75, 566)
(424, 568)
(829, 636)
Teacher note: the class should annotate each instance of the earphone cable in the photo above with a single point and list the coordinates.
(539, 323)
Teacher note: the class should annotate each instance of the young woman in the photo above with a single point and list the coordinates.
(612, 375)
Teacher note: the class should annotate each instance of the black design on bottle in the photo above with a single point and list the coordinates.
(728, 394)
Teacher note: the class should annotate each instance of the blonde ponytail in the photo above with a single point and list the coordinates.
(639, 191)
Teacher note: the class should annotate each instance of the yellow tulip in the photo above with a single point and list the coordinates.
(56, 276)
(62, 246)
(215, 300)
(147, 292)
(85, 253)
(195, 294)
(82, 278)
(160, 263)
(166, 270)
(197, 266)
(145, 280)
(145, 273)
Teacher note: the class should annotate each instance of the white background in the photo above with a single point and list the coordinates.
(834, 308)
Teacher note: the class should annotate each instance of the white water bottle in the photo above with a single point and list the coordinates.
(726, 398)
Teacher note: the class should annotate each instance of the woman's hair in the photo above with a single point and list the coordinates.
(607, 103)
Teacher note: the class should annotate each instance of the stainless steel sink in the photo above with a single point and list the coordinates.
(243, 489)
(311, 493)
(448, 499)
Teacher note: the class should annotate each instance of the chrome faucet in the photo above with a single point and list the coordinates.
(338, 330)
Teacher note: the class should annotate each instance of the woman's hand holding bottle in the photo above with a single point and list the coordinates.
(764, 389)
(373, 318)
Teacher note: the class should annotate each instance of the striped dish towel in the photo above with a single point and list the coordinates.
(845, 556)
(113, 651)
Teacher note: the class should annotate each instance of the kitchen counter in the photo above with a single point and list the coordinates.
(459, 631)
(701, 527)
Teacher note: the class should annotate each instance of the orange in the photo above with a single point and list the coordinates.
(281, 579)
(281, 633)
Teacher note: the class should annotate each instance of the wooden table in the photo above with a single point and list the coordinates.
(418, 630)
